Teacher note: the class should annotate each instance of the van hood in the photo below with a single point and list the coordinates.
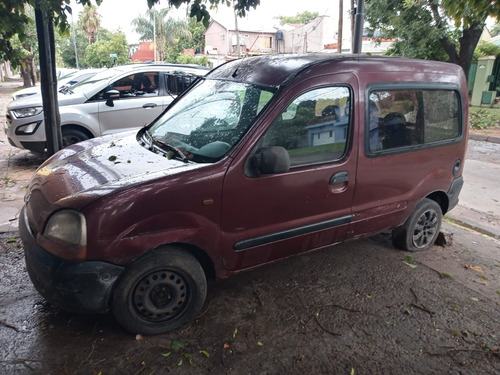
(77, 175)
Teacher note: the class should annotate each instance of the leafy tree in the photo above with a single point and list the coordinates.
(66, 49)
(196, 41)
(446, 30)
(89, 22)
(13, 18)
(300, 18)
(486, 49)
(189, 59)
(97, 54)
(496, 29)
(156, 25)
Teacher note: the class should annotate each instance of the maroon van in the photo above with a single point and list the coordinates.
(263, 158)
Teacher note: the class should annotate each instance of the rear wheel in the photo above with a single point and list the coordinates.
(421, 229)
(71, 136)
(160, 292)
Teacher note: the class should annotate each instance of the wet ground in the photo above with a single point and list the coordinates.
(361, 307)
(358, 308)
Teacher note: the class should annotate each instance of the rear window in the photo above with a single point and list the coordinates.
(404, 118)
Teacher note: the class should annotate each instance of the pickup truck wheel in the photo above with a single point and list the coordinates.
(159, 292)
(421, 229)
(71, 136)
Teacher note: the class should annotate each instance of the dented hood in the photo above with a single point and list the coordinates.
(77, 175)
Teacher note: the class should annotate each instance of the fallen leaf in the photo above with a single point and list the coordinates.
(475, 299)
(112, 158)
(475, 268)
(226, 346)
(413, 266)
(205, 353)
(260, 343)
(177, 345)
(166, 354)
(138, 337)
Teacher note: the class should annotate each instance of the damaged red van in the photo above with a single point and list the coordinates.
(263, 158)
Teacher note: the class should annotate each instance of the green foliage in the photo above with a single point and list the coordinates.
(483, 118)
(423, 29)
(486, 49)
(157, 25)
(189, 59)
(97, 54)
(300, 18)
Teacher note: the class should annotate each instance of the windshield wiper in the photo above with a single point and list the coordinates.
(168, 147)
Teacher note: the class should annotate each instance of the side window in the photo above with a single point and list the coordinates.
(178, 82)
(137, 85)
(400, 118)
(314, 127)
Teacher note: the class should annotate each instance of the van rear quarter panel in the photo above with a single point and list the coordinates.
(388, 187)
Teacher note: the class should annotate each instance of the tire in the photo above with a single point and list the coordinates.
(421, 229)
(159, 292)
(71, 136)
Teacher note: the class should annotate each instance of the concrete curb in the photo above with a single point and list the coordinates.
(474, 220)
(484, 138)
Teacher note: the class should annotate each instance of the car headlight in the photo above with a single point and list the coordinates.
(65, 235)
(26, 112)
(28, 129)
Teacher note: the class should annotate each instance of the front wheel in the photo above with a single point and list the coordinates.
(160, 292)
(71, 136)
(421, 229)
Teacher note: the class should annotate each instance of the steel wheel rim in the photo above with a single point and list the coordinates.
(425, 229)
(160, 296)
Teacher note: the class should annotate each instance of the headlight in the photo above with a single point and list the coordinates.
(26, 112)
(65, 235)
(28, 129)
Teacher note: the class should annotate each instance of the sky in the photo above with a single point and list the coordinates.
(118, 14)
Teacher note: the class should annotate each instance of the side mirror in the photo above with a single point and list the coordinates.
(110, 95)
(271, 160)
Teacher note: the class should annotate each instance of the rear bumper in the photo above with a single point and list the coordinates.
(454, 192)
(82, 287)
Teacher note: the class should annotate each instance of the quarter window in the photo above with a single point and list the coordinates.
(402, 118)
(313, 128)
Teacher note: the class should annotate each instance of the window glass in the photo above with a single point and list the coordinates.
(314, 127)
(211, 118)
(178, 82)
(402, 118)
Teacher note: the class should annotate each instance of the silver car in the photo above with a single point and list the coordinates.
(114, 100)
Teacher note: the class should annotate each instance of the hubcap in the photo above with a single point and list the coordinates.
(160, 296)
(425, 229)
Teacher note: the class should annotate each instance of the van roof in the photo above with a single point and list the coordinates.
(276, 70)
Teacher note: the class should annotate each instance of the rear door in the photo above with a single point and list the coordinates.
(273, 216)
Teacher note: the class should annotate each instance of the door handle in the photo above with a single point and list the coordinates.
(339, 177)
(149, 105)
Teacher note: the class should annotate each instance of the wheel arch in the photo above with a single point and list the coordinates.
(441, 198)
(200, 255)
(77, 127)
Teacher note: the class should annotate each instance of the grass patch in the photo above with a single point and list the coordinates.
(483, 118)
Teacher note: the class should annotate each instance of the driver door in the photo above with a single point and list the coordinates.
(271, 216)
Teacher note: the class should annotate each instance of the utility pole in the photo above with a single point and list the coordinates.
(353, 12)
(48, 79)
(74, 41)
(341, 26)
(237, 32)
(358, 32)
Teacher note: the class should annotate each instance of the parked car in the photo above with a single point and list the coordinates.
(117, 99)
(64, 82)
(264, 158)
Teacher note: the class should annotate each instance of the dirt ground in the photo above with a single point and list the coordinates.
(358, 308)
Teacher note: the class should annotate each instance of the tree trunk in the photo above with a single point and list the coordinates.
(25, 74)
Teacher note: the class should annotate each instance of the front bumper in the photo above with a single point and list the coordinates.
(81, 287)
